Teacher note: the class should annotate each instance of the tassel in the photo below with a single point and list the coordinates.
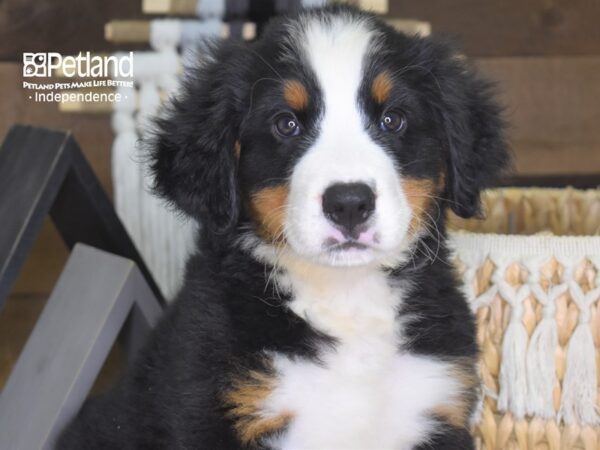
(162, 230)
(149, 205)
(165, 34)
(541, 364)
(125, 170)
(513, 371)
(578, 401)
(472, 262)
(164, 239)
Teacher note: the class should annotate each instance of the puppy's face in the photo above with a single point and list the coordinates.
(338, 153)
(345, 139)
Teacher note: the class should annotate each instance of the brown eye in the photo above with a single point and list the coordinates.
(287, 125)
(393, 121)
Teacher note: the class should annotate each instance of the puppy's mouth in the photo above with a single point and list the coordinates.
(347, 251)
(334, 246)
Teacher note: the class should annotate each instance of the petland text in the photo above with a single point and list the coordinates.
(84, 65)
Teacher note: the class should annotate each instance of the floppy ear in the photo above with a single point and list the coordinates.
(192, 151)
(474, 130)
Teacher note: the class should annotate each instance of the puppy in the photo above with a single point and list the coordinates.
(320, 310)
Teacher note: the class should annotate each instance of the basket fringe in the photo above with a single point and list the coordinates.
(541, 365)
(560, 317)
(578, 402)
(513, 371)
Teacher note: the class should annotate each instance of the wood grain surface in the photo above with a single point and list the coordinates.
(64, 26)
(512, 27)
(553, 110)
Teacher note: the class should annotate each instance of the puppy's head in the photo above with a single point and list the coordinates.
(333, 137)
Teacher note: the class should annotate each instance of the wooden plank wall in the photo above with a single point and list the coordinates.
(64, 26)
(544, 55)
(553, 110)
(512, 27)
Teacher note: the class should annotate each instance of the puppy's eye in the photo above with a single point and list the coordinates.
(393, 121)
(287, 125)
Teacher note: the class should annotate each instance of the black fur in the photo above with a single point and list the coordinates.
(228, 311)
(449, 438)
(198, 130)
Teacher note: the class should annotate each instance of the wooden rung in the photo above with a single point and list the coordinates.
(138, 31)
(410, 26)
(170, 7)
(188, 7)
(127, 31)
(85, 108)
(376, 6)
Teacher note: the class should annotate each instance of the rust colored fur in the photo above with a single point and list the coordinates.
(295, 94)
(245, 402)
(381, 87)
(457, 410)
(419, 193)
(268, 210)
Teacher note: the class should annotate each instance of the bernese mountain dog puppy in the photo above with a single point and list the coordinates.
(321, 310)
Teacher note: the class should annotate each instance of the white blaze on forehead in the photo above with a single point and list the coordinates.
(337, 49)
(336, 52)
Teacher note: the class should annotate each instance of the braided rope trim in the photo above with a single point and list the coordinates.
(537, 304)
(517, 246)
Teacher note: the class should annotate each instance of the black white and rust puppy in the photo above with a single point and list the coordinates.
(320, 311)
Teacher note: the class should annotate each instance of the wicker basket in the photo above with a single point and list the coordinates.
(535, 290)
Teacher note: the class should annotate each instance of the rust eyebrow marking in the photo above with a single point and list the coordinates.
(237, 149)
(295, 94)
(381, 87)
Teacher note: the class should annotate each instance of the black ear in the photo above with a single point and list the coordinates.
(192, 151)
(477, 151)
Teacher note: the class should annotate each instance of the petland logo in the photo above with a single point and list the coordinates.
(84, 65)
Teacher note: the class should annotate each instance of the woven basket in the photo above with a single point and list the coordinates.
(532, 275)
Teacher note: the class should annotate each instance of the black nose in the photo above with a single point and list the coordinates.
(349, 205)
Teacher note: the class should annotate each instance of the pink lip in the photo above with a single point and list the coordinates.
(365, 239)
(337, 235)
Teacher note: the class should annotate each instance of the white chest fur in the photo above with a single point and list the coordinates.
(364, 394)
